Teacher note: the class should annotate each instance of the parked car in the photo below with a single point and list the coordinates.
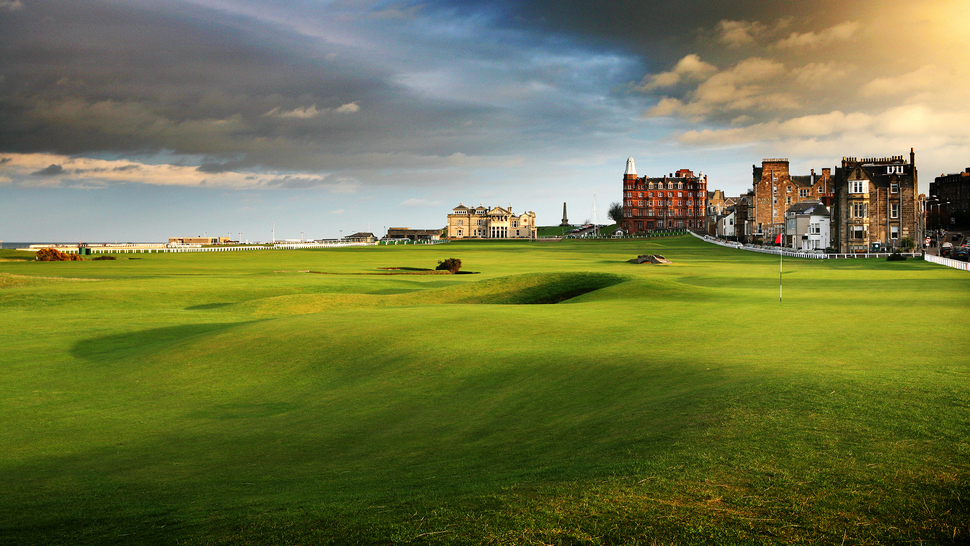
(961, 253)
(956, 237)
(946, 249)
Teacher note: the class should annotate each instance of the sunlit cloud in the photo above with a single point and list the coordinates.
(838, 33)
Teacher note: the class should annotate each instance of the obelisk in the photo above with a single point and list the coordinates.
(565, 221)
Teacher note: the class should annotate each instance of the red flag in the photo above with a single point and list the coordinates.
(778, 239)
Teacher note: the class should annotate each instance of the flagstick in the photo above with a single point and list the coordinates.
(781, 261)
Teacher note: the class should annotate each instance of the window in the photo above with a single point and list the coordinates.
(640, 195)
(639, 203)
(774, 190)
(894, 210)
(650, 194)
(815, 229)
(803, 193)
(894, 232)
(680, 203)
(690, 203)
(894, 187)
(788, 200)
(858, 186)
(680, 194)
(459, 233)
(858, 210)
(461, 222)
(858, 232)
(515, 223)
(640, 226)
(789, 189)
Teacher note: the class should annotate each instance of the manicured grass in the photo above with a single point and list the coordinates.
(560, 396)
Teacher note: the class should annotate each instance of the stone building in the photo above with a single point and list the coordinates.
(776, 189)
(875, 202)
(677, 201)
(490, 223)
(950, 197)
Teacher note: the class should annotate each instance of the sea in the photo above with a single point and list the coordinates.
(4, 245)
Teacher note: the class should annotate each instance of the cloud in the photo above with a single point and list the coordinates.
(747, 85)
(838, 33)
(690, 67)
(313, 112)
(11, 5)
(737, 33)
(51, 170)
(922, 79)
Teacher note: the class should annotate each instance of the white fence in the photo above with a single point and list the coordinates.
(949, 262)
(800, 254)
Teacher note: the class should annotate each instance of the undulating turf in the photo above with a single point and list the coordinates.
(560, 395)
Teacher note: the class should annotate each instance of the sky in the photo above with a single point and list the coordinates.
(141, 120)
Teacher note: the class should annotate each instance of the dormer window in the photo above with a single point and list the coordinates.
(858, 186)
(894, 188)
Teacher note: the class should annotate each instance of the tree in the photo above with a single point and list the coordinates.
(451, 264)
(616, 212)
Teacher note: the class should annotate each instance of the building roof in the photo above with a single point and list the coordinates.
(809, 207)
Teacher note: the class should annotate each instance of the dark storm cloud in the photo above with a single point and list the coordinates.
(143, 77)
(52, 170)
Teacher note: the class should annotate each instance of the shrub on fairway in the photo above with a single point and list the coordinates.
(895, 257)
(106, 257)
(451, 264)
(54, 255)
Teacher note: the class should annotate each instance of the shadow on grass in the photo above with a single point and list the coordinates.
(118, 346)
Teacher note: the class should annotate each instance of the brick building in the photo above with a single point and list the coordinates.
(677, 201)
(776, 190)
(490, 223)
(875, 202)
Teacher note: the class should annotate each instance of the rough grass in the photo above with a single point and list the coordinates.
(230, 399)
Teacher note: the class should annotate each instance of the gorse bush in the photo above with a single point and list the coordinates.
(451, 264)
(54, 255)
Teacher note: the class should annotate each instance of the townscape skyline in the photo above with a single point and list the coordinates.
(145, 120)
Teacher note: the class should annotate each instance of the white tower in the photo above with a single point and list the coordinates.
(631, 168)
